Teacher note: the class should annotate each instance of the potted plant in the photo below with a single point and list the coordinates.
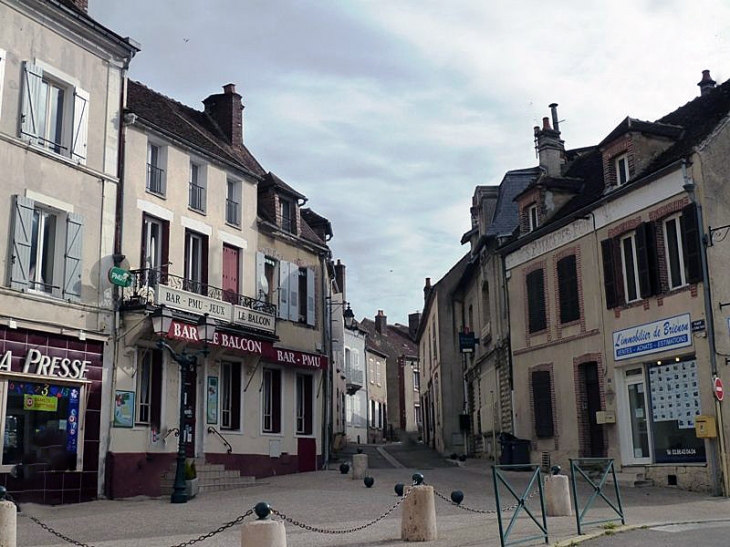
(192, 485)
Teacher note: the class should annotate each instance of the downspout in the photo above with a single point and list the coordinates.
(717, 489)
(505, 296)
(327, 426)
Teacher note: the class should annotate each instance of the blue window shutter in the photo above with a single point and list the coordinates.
(72, 257)
(283, 290)
(22, 241)
(310, 297)
(81, 125)
(293, 292)
(32, 82)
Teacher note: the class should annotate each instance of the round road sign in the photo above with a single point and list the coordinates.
(719, 390)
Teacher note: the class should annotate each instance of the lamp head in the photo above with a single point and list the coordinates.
(161, 321)
(349, 317)
(206, 329)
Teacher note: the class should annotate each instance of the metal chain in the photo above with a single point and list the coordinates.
(345, 531)
(218, 530)
(486, 511)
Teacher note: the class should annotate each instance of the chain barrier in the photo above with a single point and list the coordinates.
(345, 531)
(209, 535)
(486, 511)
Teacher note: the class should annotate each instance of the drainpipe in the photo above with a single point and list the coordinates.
(717, 489)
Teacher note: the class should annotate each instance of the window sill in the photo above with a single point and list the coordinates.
(156, 194)
(237, 226)
(196, 210)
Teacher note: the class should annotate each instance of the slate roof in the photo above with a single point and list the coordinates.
(394, 342)
(506, 213)
(640, 126)
(272, 180)
(191, 126)
(316, 221)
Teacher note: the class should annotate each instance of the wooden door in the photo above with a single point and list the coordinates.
(231, 271)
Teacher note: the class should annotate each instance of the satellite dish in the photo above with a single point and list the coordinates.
(264, 284)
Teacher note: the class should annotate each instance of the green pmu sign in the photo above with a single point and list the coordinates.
(120, 277)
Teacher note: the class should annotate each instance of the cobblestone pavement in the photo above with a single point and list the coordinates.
(333, 501)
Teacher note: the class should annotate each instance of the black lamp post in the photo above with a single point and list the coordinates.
(161, 322)
(349, 317)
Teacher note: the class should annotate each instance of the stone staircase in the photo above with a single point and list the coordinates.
(212, 478)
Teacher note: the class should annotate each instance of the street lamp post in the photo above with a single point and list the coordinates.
(161, 322)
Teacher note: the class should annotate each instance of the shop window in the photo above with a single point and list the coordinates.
(271, 401)
(537, 318)
(41, 425)
(47, 250)
(305, 404)
(55, 112)
(149, 387)
(542, 399)
(568, 293)
(230, 396)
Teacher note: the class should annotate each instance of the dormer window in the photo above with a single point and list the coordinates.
(621, 163)
(286, 210)
(532, 216)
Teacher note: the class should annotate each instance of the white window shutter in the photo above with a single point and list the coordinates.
(81, 125)
(22, 240)
(72, 257)
(283, 290)
(293, 292)
(2, 78)
(261, 276)
(310, 297)
(32, 81)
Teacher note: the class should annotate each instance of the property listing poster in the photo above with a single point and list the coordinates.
(675, 393)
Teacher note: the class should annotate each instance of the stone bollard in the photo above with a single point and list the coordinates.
(359, 466)
(557, 496)
(262, 532)
(8, 521)
(418, 522)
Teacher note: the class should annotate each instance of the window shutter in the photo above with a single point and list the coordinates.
(261, 289)
(310, 297)
(81, 125)
(2, 77)
(647, 260)
(22, 241)
(72, 257)
(283, 290)
(542, 398)
(691, 243)
(156, 389)
(536, 301)
(568, 289)
(294, 292)
(610, 280)
(32, 80)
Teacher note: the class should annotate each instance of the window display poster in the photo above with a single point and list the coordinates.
(124, 409)
(212, 396)
(675, 401)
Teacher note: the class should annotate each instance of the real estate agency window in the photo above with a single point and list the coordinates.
(230, 396)
(41, 423)
(47, 250)
(305, 404)
(55, 112)
(568, 293)
(537, 317)
(196, 262)
(542, 400)
(271, 401)
(149, 387)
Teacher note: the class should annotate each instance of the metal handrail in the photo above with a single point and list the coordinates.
(212, 429)
(155, 179)
(174, 430)
(144, 281)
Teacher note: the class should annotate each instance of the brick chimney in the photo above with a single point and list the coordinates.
(82, 5)
(226, 110)
(550, 148)
(414, 319)
(341, 279)
(707, 84)
(427, 288)
(381, 322)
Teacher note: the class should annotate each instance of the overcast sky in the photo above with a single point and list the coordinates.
(387, 113)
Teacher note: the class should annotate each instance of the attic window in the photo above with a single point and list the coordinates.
(621, 164)
(532, 216)
(286, 210)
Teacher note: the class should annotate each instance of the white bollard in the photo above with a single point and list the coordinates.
(8, 524)
(418, 522)
(557, 496)
(263, 533)
(359, 466)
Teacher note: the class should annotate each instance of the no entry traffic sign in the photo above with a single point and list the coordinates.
(719, 390)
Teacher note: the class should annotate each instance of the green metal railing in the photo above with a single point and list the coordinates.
(589, 468)
(521, 502)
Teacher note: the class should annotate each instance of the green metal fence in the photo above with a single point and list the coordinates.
(534, 486)
(591, 469)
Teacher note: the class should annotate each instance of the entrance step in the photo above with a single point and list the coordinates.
(211, 478)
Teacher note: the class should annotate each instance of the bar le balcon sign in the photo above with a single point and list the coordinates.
(223, 311)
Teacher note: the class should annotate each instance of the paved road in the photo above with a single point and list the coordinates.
(706, 534)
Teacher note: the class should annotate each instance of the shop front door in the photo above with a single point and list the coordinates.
(635, 425)
(188, 426)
